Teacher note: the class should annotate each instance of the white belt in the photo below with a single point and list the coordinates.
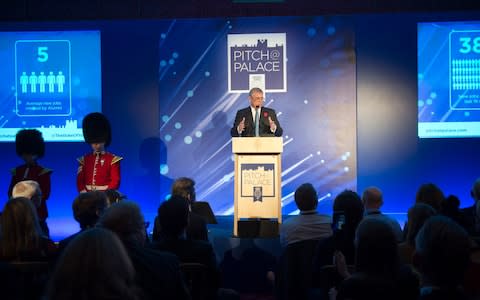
(96, 187)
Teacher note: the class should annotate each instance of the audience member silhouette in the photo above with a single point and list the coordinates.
(113, 196)
(157, 273)
(22, 238)
(30, 189)
(442, 255)
(417, 215)
(430, 194)
(197, 226)
(309, 224)
(95, 265)
(451, 209)
(372, 199)
(471, 213)
(87, 208)
(249, 270)
(378, 273)
(347, 214)
(173, 216)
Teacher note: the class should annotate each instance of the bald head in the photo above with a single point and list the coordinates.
(372, 198)
(29, 189)
(26, 188)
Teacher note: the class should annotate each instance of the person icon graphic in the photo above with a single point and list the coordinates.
(32, 80)
(42, 80)
(24, 82)
(51, 82)
(60, 81)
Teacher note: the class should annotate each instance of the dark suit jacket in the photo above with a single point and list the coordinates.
(469, 214)
(157, 273)
(196, 228)
(264, 126)
(193, 251)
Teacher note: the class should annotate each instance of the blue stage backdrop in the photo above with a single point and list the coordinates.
(312, 90)
(164, 87)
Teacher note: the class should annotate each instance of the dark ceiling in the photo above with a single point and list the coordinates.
(24, 10)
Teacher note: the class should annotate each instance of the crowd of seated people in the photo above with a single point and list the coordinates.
(358, 253)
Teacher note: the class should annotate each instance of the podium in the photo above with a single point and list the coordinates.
(258, 169)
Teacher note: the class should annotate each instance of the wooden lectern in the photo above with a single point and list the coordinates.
(258, 169)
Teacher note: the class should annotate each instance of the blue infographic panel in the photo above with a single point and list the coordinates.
(305, 65)
(42, 69)
(449, 79)
(51, 80)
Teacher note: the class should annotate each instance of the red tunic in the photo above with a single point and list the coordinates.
(38, 174)
(98, 171)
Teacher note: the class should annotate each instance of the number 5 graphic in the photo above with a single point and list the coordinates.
(42, 54)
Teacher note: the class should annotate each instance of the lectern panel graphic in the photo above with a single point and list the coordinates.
(257, 178)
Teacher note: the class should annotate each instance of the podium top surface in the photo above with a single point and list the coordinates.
(257, 145)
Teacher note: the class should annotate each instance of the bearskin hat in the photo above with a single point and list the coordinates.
(96, 129)
(30, 141)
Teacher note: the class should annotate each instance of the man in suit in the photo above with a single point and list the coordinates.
(471, 213)
(197, 226)
(245, 120)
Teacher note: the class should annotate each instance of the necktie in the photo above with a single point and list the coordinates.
(257, 128)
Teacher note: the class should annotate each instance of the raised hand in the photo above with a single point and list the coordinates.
(273, 126)
(241, 126)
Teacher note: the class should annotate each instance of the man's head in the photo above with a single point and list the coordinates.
(256, 97)
(306, 197)
(173, 216)
(126, 220)
(475, 192)
(442, 252)
(113, 196)
(29, 189)
(184, 187)
(372, 198)
(88, 208)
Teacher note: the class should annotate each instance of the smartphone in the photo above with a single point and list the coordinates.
(338, 221)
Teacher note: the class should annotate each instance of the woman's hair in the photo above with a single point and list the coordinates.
(417, 215)
(349, 204)
(430, 194)
(21, 233)
(94, 265)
